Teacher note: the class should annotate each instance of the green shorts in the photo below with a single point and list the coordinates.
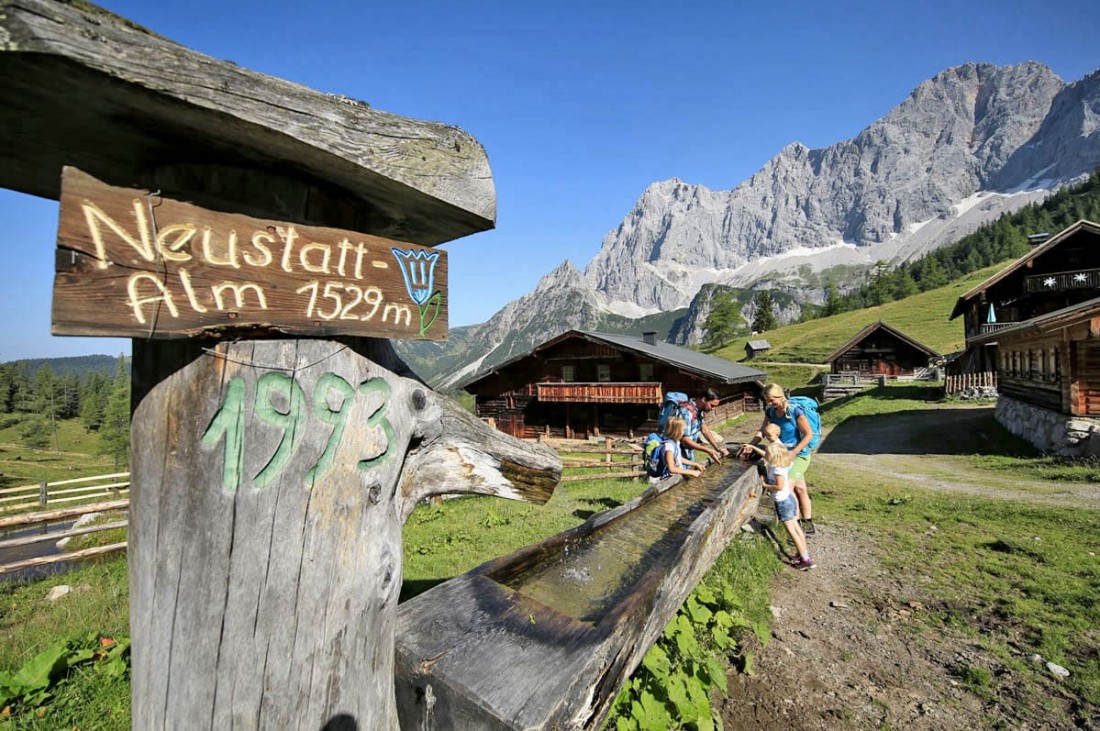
(798, 469)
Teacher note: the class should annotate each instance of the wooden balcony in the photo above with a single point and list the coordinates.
(600, 393)
(990, 327)
(1063, 281)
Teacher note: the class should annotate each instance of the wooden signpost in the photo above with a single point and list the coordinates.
(154, 268)
(265, 533)
(278, 443)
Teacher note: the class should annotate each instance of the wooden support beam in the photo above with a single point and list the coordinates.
(81, 86)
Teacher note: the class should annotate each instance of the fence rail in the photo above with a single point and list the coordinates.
(963, 381)
(14, 518)
(608, 466)
(45, 493)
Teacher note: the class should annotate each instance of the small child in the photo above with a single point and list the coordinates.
(672, 460)
(779, 460)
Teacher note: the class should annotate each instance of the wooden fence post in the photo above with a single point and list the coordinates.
(42, 497)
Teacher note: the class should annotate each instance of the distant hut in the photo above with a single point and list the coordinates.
(754, 348)
(879, 349)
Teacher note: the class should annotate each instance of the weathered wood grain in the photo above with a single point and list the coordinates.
(473, 652)
(159, 268)
(80, 86)
(267, 597)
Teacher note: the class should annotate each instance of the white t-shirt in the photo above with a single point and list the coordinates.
(785, 493)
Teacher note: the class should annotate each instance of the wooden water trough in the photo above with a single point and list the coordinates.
(546, 637)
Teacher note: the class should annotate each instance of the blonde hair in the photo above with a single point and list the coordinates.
(773, 390)
(770, 430)
(674, 430)
(777, 455)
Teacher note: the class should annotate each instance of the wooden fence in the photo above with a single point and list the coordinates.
(963, 381)
(598, 460)
(27, 497)
(30, 528)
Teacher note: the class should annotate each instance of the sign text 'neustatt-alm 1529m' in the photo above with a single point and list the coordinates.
(131, 263)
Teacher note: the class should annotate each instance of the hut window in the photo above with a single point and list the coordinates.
(603, 372)
(1053, 371)
(645, 371)
(568, 373)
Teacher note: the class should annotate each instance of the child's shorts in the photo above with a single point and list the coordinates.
(786, 509)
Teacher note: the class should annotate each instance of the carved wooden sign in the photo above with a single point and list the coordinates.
(270, 486)
(133, 263)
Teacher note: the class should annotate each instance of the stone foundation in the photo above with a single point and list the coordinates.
(1071, 436)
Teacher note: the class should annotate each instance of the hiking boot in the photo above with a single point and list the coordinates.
(803, 564)
(807, 527)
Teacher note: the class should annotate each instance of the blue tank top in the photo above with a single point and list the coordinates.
(788, 426)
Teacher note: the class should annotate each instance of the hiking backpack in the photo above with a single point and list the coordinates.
(654, 454)
(674, 401)
(809, 407)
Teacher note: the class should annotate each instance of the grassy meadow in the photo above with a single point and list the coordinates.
(923, 317)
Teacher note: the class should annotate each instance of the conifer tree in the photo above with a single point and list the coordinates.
(764, 319)
(722, 321)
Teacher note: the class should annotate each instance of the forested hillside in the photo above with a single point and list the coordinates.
(1003, 240)
(37, 394)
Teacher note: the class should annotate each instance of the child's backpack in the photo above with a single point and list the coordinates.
(674, 401)
(654, 453)
(809, 407)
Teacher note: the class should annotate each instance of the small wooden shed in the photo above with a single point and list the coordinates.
(879, 349)
(754, 348)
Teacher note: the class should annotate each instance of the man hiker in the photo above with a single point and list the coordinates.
(693, 414)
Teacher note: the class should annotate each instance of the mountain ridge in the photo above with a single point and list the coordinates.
(964, 147)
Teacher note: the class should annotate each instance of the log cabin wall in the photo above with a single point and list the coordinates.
(1032, 369)
(881, 353)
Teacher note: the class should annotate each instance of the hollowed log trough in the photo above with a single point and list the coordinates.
(546, 637)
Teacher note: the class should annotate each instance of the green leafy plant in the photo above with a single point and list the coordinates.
(672, 687)
(33, 684)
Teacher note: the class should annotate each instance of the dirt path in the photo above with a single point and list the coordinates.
(845, 651)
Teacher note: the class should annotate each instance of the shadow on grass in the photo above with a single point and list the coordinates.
(926, 431)
(603, 503)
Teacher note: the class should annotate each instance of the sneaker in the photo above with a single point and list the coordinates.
(807, 526)
(803, 564)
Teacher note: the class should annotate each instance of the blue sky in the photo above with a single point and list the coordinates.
(580, 105)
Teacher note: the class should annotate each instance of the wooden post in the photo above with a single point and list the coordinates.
(607, 457)
(42, 497)
(270, 483)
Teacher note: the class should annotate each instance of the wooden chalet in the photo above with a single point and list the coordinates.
(879, 349)
(1052, 361)
(754, 348)
(1061, 272)
(583, 384)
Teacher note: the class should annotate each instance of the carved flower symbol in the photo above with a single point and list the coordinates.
(1049, 282)
(418, 269)
(1080, 277)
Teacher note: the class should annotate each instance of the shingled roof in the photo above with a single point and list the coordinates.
(880, 325)
(685, 358)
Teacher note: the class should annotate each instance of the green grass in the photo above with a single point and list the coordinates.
(1018, 578)
(20, 465)
(923, 317)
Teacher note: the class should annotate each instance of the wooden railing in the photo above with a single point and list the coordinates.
(1060, 281)
(954, 384)
(27, 497)
(602, 464)
(600, 393)
(25, 526)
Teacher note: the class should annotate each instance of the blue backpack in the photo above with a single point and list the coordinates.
(809, 407)
(674, 401)
(654, 454)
